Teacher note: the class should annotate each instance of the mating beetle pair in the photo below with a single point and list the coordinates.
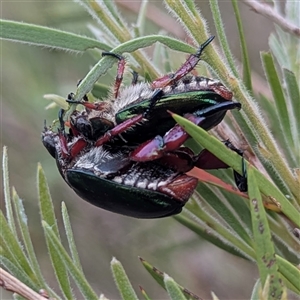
(125, 154)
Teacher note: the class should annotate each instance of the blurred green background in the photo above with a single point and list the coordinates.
(27, 73)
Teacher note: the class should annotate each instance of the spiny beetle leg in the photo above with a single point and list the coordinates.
(208, 161)
(101, 106)
(120, 70)
(118, 129)
(76, 148)
(172, 140)
(186, 68)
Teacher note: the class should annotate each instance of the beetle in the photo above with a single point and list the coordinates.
(139, 112)
(107, 178)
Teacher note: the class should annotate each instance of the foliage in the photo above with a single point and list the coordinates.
(258, 226)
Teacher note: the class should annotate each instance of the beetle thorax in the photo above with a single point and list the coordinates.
(132, 94)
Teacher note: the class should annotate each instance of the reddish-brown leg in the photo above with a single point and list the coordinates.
(76, 148)
(186, 68)
(157, 147)
(120, 71)
(118, 129)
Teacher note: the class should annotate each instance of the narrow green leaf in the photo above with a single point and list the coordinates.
(278, 95)
(292, 86)
(256, 291)
(107, 15)
(235, 161)
(144, 294)
(245, 57)
(290, 272)
(46, 204)
(58, 100)
(154, 272)
(111, 7)
(158, 276)
(13, 249)
(100, 91)
(265, 290)
(209, 221)
(66, 260)
(124, 286)
(190, 4)
(264, 248)
(214, 5)
(173, 288)
(23, 227)
(285, 242)
(268, 110)
(18, 272)
(142, 15)
(225, 213)
(48, 216)
(167, 61)
(240, 207)
(209, 235)
(70, 237)
(7, 197)
(189, 18)
(47, 37)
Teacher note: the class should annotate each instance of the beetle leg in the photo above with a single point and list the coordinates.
(153, 100)
(135, 77)
(176, 136)
(172, 140)
(101, 106)
(208, 161)
(76, 148)
(62, 134)
(186, 68)
(120, 71)
(118, 129)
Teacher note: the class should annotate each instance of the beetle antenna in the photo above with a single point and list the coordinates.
(202, 46)
(61, 119)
